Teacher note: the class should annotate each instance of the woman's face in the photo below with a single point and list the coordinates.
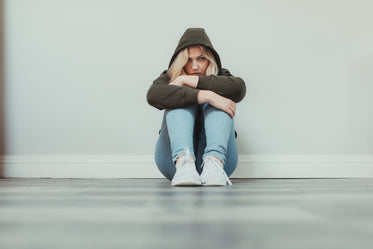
(197, 63)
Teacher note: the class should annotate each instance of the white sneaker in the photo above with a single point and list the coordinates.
(213, 173)
(186, 173)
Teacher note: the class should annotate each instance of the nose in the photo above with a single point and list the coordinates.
(195, 65)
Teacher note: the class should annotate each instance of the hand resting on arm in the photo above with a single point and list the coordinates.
(206, 96)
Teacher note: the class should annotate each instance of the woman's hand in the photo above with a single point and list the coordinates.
(185, 80)
(217, 101)
(178, 81)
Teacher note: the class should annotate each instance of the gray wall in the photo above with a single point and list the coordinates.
(2, 90)
(77, 73)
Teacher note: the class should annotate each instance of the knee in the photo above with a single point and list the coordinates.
(186, 113)
(209, 109)
(187, 109)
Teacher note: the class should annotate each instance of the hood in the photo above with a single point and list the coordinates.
(192, 37)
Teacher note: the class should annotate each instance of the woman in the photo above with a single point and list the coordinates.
(197, 143)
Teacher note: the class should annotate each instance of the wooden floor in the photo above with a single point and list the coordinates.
(149, 213)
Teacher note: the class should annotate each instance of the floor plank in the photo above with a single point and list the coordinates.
(149, 213)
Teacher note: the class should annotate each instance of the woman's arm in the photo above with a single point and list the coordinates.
(186, 80)
(220, 102)
(206, 96)
(184, 90)
(224, 84)
(163, 95)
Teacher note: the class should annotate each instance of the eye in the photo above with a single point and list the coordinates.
(201, 58)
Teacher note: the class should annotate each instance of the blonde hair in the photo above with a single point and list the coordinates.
(177, 67)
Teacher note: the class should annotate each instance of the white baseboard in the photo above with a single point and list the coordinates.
(249, 166)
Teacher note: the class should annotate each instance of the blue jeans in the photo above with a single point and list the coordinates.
(215, 136)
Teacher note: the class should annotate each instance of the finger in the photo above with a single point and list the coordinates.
(231, 113)
(232, 107)
(228, 111)
(233, 110)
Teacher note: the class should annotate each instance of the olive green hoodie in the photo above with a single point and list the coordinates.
(164, 96)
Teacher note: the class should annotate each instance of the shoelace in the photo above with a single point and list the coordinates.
(217, 165)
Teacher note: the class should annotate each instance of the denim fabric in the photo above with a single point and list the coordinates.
(214, 136)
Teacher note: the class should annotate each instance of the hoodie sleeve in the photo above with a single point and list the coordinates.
(224, 84)
(161, 95)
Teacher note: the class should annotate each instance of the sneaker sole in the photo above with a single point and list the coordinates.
(215, 183)
(186, 183)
